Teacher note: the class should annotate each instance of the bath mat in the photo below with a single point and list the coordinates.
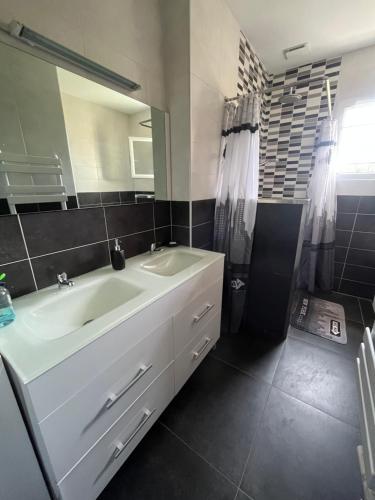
(319, 317)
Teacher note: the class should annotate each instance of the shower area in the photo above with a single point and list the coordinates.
(284, 280)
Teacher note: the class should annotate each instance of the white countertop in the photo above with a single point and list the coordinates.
(31, 355)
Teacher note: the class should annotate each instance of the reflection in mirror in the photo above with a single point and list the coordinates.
(67, 141)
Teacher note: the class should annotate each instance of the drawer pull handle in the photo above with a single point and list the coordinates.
(113, 398)
(197, 354)
(207, 309)
(147, 414)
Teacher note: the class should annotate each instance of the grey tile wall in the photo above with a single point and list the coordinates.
(288, 132)
(35, 247)
(355, 246)
(293, 129)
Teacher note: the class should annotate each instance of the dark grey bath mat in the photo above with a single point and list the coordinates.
(319, 317)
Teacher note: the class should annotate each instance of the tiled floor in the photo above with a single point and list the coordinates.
(259, 421)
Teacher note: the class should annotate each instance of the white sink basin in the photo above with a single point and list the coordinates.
(68, 310)
(171, 263)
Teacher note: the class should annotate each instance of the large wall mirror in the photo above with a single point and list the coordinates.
(67, 141)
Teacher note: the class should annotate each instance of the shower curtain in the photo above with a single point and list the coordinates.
(236, 201)
(317, 259)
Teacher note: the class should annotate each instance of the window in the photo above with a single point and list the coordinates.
(356, 151)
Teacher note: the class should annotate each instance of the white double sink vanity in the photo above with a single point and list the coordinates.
(96, 364)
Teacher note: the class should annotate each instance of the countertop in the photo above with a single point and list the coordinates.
(30, 355)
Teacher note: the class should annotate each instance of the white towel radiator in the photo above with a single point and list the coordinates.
(366, 383)
(41, 169)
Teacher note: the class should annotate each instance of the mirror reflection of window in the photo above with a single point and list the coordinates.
(141, 158)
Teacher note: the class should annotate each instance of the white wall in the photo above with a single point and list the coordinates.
(214, 42)
(176, 19)
(123, 35)
(98, 145)
(356, 84)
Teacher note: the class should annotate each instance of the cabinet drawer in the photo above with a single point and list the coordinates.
(96, 469)
(196, 351)
(75, 426)
(196, 315)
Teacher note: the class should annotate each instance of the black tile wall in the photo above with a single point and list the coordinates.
(87, 199)
(12, 246)
(180, 215)
(203, 216)
(19, 278)
(367, 205)
(37, 207)
(203, 211)
(75, 241)
(110, 198)
(104, 198)
(55, 231)
(129, 219)
(347, 204)
(355, 246)
(181, 235)
(162, 213)
(74, 262)
(202, 236)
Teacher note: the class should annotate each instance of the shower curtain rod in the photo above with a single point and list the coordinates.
(296, 84)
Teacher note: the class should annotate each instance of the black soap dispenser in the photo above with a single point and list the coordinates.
(117, 257)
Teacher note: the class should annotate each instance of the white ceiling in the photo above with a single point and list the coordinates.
(77, 86)
(331, 27)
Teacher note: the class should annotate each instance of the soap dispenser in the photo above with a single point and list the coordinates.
(117, 257)
(7, 314)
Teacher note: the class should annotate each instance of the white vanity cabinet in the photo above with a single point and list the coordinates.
(90, 411)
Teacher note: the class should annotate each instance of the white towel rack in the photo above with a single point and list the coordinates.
(39, 167)
(366, 384)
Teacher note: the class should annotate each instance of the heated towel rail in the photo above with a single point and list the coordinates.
(366, 384)
(45, 179)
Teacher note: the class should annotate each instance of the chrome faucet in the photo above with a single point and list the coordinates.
(156, 247)
(62, 280)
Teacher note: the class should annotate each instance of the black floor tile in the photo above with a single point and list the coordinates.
(351, 306)
(250, 354)
(216, 413)
(354, 332)
(162, 467)
(320, 378)
(242, 496)
(301, 453)
(367, 312)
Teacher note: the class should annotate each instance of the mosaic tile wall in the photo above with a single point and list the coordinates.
(288, 132)
(253, 77)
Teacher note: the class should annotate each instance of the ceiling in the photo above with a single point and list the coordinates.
(80, 87)
(331, 27)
